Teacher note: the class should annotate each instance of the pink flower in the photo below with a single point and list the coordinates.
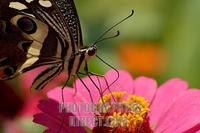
(52, 118)
(172, 107)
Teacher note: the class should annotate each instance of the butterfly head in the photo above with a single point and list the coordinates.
(90, 51)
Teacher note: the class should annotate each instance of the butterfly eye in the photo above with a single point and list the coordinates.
(27, 25)
(92, 51)
(9, 71)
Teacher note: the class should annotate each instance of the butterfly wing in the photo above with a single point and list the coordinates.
(23, 38)
(11, 57)
(69, 12)
(56, 24)
(62, 16)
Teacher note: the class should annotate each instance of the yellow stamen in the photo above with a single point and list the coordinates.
(132, 111)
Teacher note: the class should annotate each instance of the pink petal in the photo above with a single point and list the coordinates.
(195, 129)
(91, 88)
(123, 83)
(69, 95)
(52, 118)
(145, 87)
(72, 99)
(166, 95)
(198, 131)
(182, 115)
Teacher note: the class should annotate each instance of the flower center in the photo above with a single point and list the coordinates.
(122, 112)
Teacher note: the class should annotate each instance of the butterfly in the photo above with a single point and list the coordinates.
(34, 33)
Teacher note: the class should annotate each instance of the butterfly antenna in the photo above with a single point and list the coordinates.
(107, 38)
(100, 38)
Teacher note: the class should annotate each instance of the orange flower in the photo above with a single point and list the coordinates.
(144, 58)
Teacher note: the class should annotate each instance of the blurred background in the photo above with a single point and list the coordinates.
(161, 40)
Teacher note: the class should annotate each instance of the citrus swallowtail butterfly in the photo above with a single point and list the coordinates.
(40, 32)
(34, 33)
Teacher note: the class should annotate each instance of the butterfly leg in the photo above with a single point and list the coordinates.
(87, 70)
(85, 87)
(101, 92)
(74, 81)
(89, 74)
(95, 74)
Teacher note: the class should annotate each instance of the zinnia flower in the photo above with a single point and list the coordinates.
(170, 108)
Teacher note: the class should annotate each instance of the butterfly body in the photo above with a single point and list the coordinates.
(39, 35)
